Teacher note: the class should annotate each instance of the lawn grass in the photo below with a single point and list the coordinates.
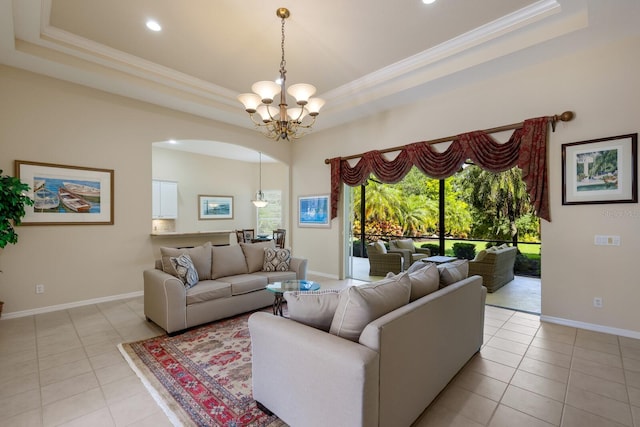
(530, 250)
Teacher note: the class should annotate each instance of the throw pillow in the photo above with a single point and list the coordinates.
(359, 305)
(424, 281)
(380, 247)
(200, 256)
(313, 308)
(406, 244)
(276, 259)
(451, 272)
(185, 269)
(254, 254)
(418, 265)
(227, 261)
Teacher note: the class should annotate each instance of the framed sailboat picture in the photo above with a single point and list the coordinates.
(67, 195)
(601, 170)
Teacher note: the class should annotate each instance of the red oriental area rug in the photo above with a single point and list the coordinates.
(201, 377)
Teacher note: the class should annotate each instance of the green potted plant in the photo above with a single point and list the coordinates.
(13, 198)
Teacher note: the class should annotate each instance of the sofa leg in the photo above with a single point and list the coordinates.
(264, 409)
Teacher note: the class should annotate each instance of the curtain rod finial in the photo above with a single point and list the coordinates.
(567, 116)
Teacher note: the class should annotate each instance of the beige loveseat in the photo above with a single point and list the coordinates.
(232, 280)
(386, 377)
(495, 265)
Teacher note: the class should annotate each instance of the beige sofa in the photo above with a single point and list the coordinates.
(386, 378)
(232, 280)
(495, 265)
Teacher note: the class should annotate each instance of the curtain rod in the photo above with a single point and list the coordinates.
(564, 117)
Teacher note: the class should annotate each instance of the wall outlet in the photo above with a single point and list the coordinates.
(39, 289)
(597, 302)
(600, 240)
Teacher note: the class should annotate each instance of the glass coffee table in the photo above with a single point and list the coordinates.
(279, 288)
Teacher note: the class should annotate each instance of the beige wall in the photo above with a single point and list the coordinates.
(47, 120)
(601, 85)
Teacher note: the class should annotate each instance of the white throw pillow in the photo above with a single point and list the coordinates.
(359, 305)
(452, 272)
(424, 281)
(313, 308)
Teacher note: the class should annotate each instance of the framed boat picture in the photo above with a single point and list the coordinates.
(67, 195)
(215, 207)
(601, 170)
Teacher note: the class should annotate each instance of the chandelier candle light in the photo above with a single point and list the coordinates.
(259, 201)
(282, 123)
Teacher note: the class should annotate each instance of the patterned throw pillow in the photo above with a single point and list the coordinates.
(185, 269)
(276, 259)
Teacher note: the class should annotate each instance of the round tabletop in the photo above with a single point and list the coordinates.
(293, 285)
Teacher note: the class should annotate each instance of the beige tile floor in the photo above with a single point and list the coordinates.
(63, 369)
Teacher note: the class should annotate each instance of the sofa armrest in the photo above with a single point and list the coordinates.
(311, 378)
(299, 266)
(165, 300)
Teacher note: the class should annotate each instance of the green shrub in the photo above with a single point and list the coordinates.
(464, 250)
(433, 248)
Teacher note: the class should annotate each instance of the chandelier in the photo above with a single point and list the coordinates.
(259, 201)
(282, 122)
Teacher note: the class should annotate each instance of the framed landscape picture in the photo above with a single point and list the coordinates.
(600, 171)
(67, 195)
(215, 207)
(313, 211)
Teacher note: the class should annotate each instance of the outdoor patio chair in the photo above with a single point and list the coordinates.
(382, 262)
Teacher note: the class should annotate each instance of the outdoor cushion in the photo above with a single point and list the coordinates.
(480, 255)
(406, 244)
(254, 253)
(451, 272)
(200, 256)
(359, 305)
(227, 261)
(313, 308)
(380, 247)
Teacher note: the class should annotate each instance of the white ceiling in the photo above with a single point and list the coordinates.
(363, 56)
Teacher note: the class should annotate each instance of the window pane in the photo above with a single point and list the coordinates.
(270, 217)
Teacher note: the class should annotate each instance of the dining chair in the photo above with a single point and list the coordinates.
(240, 236)
(279, 236)
(249, 234)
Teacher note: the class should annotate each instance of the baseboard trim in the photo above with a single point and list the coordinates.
(66, 306)
(328, 276)
(591, 327)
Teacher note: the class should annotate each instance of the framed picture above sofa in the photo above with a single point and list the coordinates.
(601, 170)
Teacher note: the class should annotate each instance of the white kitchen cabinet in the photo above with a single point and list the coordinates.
(164, 199)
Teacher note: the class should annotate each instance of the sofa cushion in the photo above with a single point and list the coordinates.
(254, 254)
(313, 308)
(185, 270)
(405, 244)
(451, 272)
(227, 261)
(276, 259)
(277, 276)
(424, 281)
(417, 266)
(359, 305)
(200, 256)
(379, 247)
(245, 283)
(207, 290)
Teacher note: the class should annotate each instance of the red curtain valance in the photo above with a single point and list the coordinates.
(526, 148)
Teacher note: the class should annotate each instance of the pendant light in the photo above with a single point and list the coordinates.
(259, 201)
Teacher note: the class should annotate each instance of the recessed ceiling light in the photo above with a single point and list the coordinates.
(428, 1)
(153, 25)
